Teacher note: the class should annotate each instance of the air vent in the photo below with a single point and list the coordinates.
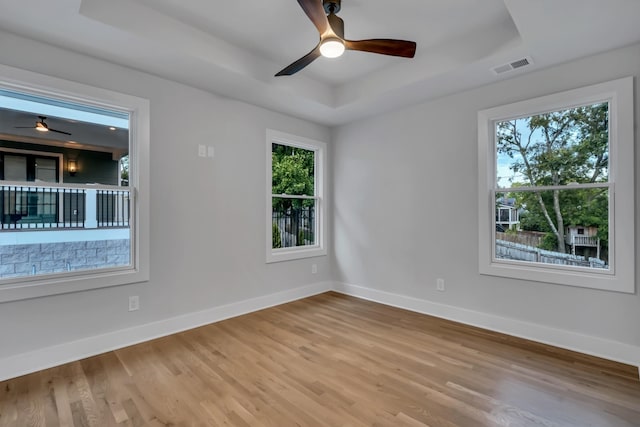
(513, 65)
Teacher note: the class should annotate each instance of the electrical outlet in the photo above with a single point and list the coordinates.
(134, 303)
(440, 285)
(210, 151)
(202, 150)
(314, 268)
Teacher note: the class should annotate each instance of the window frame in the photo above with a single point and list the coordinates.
(320, 148)
(15, 79)
(621, 274)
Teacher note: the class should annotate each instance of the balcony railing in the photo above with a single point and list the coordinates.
(583, 240)
(293, 224)
(54, 206)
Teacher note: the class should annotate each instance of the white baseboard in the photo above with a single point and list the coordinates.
(25, 363)
(595, 346)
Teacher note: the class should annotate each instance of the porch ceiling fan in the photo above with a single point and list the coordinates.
(332, 42)
(41, 126)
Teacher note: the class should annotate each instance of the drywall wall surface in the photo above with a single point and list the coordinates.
(405, 212)
(207, 215)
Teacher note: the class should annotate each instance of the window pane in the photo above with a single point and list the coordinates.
(47, 229)
(563, 227)
(293, 170)
(15, 168)
(46, 169)
(293, 222)
(555, 148)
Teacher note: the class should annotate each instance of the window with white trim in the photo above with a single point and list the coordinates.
(71, 217)
(556, 188)
(295, 197)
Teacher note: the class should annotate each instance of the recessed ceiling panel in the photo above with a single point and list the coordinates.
(278, 30)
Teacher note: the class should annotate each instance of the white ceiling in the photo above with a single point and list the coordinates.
(235, 47)
(86, 136)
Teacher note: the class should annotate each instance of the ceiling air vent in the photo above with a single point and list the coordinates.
(513, 65)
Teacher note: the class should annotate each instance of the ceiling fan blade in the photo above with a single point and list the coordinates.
(316, 13)
(300, 63)
(24, 127)
(391, 47)
(59, 131)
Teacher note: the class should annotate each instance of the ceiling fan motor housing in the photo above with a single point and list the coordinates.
(331, 6)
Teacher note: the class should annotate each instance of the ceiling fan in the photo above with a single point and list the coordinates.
(332, 42)
(43, 127)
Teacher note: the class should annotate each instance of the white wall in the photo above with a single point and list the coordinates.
(207, 217)
(404, 212)
(405, 204)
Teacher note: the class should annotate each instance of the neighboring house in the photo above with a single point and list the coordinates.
(29, 163)
(54, 197)
(507, 214)
(582, 239)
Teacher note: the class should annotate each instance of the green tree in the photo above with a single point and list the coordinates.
(292, 174)
(292, 170)
(276, 241)
(124, 170)
(558, 149)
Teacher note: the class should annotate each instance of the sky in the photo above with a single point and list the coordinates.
(505, 177)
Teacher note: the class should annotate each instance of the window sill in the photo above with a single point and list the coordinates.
(68, 283)
(605, 280)
(288, 254)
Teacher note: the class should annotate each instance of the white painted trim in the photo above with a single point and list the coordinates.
(139, 117)
(25, 363)
(586, 344)
(320, 149)
(621, 274)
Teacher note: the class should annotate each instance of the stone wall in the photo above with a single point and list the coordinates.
(46, 258)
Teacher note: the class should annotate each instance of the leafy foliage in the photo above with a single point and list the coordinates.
(559, 149)
(124, 170)
(276, 240)
(292, 170)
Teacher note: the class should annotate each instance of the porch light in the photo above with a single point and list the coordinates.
(72, 167)
(332, 48)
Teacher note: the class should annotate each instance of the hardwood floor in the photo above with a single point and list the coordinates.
(329, 360)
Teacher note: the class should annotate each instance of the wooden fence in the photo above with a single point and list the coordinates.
(520, 252)
(528, 238)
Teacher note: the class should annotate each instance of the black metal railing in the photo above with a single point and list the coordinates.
(112, 208)
(40, 207)
(293, 224)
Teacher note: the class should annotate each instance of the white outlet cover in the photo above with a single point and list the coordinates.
(202, 150)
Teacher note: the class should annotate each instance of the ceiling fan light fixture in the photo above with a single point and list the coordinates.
(41, 127)
(332, 42)
(332, 48)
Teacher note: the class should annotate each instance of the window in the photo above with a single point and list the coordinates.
(295, 197)
(556, 188)
(69, 220)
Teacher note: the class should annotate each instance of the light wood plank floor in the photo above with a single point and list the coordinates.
(329, 360)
